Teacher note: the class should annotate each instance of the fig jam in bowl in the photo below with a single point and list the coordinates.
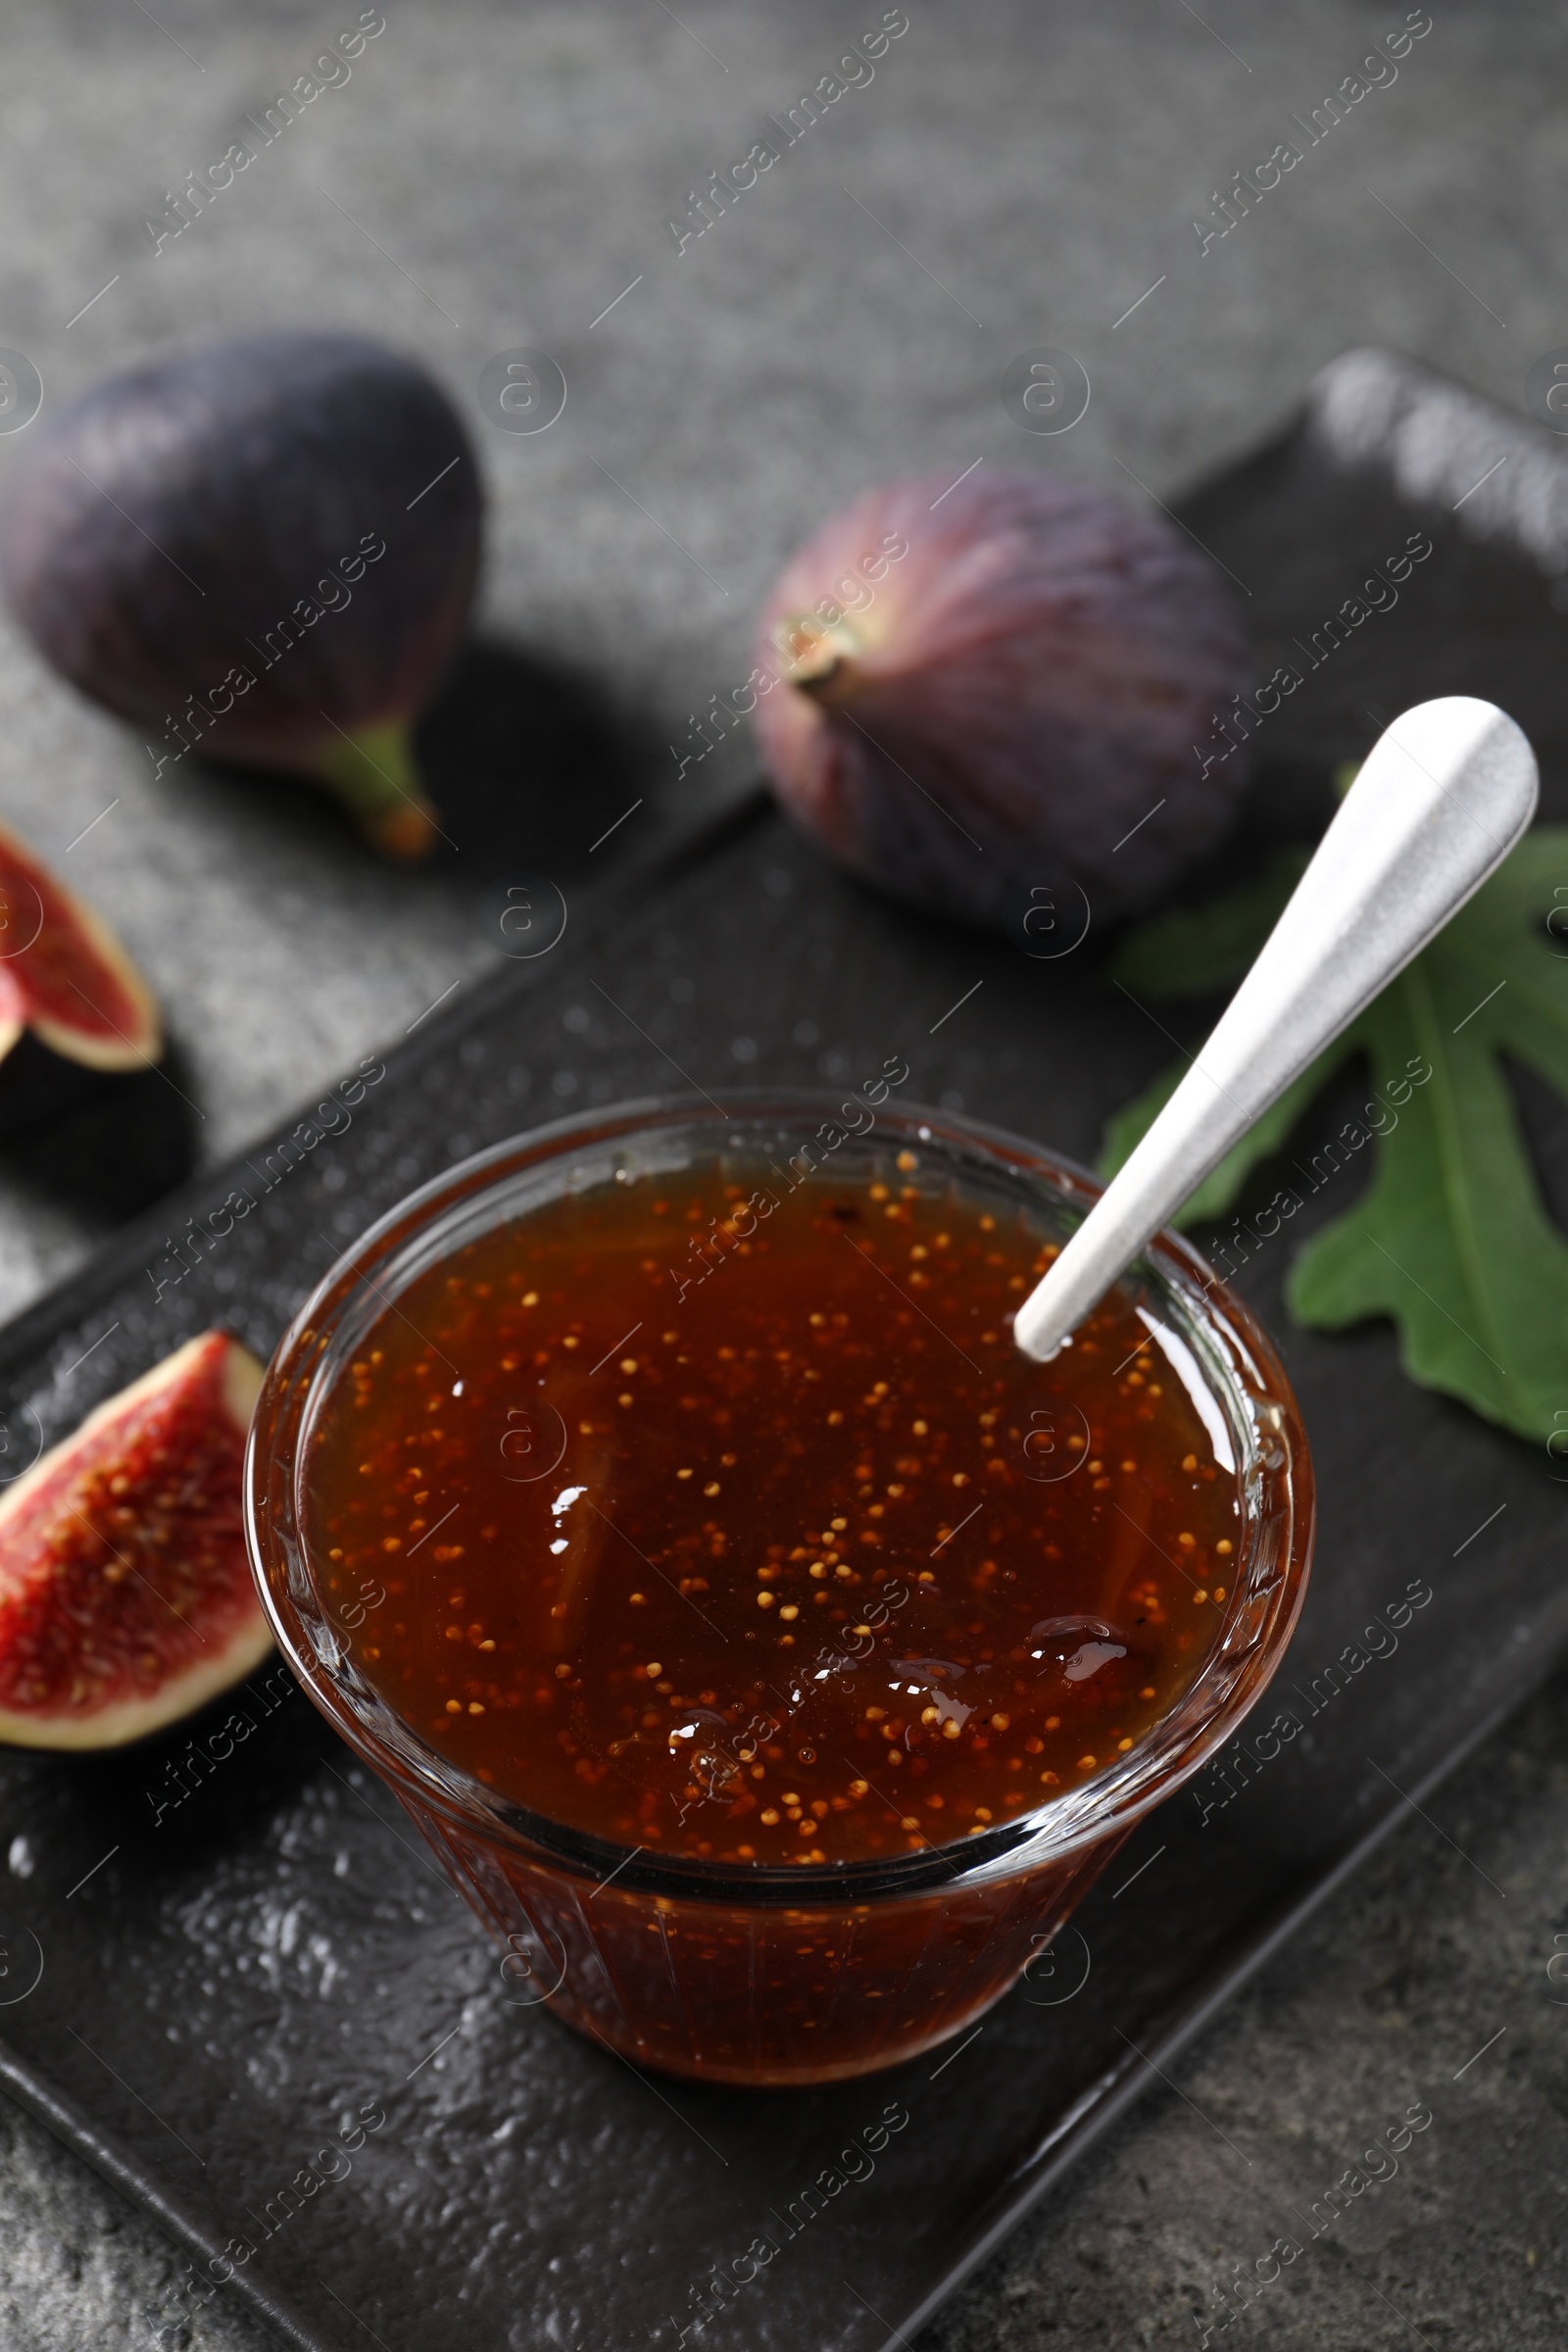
(769, 1651)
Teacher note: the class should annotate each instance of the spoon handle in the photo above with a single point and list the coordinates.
(1444, 795)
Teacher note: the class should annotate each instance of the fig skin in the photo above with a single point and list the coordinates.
(1000, 704)
(170, 535)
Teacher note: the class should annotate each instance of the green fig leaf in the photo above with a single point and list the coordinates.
(1194, 950)
(1269, 1135)
(1452, 1238)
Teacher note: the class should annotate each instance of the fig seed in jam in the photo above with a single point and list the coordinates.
(725, 1519)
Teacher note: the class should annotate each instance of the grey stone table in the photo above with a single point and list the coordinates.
(486, 177)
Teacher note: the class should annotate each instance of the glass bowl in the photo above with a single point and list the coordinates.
(768, 1973)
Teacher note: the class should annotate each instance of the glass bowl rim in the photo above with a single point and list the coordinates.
(1108, 1805)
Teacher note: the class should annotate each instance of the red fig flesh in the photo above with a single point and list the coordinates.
(998, 684)
(125, 1597)
(64, 974)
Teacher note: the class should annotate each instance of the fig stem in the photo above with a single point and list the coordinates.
(819, 658)
(376, 775)
(831, 689)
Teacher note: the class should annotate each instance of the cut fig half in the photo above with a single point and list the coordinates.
(125, 1597)
(64, 975)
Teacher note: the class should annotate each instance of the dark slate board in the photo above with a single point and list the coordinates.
(225, 1988)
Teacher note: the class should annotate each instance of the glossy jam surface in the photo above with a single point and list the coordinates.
(724, 1519)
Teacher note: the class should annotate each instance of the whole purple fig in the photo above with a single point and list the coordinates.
(266, 549)
(980, 687)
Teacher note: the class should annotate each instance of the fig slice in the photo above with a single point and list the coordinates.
(126, 1595)
(63, 973)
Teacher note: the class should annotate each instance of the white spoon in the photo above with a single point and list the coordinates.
(1444, 795)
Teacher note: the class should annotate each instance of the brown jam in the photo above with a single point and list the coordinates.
(725, 1519)
(712, 1518)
